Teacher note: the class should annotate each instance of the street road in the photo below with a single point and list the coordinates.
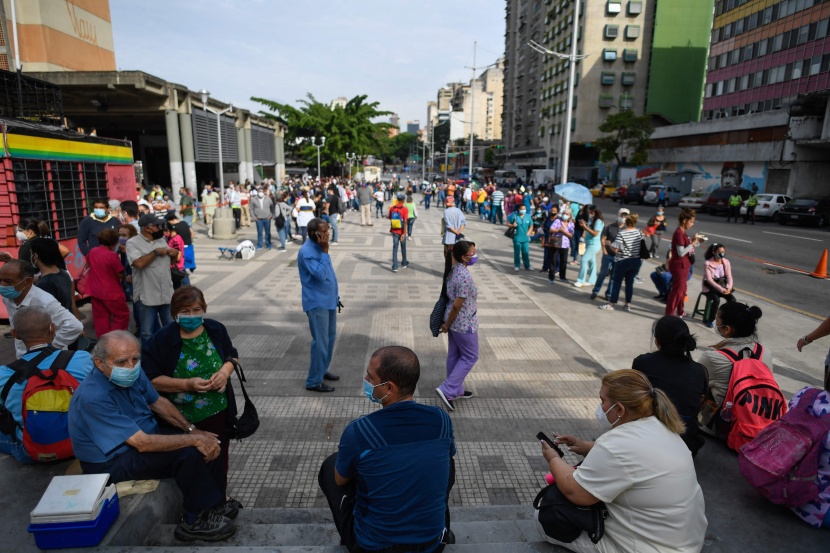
(766, 257)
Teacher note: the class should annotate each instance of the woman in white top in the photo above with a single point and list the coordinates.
(304, 209)
(640, 468)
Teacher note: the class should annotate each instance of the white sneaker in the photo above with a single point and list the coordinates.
(607, 307)
(638, 280)
(579, 284)
(516, 269)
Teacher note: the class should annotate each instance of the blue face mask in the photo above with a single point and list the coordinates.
(11, 292)
(522, 211)
(566, 217)
(190, 322)
(369, 390)
(125, 376)
(100, 213)
(472, 260)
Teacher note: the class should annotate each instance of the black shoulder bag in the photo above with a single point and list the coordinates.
(246, 425)
(564, 521)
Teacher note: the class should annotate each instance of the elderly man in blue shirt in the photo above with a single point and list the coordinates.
(320, 300)
(112, 423)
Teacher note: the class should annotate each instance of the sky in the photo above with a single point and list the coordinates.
(398, 52)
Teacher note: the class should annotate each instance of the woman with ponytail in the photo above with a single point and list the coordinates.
(672, 369)
(640, 468)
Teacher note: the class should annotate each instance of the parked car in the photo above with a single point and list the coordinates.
(673, 195)
(768, 206)
(693, 202)
(637, 192)
(603, 190)
(619, 193)
(811, 211)
(718, 200)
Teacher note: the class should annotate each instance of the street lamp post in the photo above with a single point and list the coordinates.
(205, 95)
(322, 143)
(350, 157)
(446, 160)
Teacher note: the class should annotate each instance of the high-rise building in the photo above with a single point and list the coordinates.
(71, 35)
(339, 102)
(486, 105)
(412, 127)
(618, 41)
(763, 55)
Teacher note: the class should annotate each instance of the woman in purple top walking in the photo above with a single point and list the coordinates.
(460, 324)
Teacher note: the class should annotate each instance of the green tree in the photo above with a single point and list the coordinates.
(349, 129)
(489, 156)
(400, 147)
(441, 135)
(627, 136)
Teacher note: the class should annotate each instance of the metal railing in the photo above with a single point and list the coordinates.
(30, 99)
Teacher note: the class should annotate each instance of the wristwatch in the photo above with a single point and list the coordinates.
(190, 428)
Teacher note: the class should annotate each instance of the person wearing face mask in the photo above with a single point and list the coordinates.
(717, 281)
(16, 287)
(46, 257)
(606, 266)
(639, 468)
(460, 323)
(682, 254)
(389, 482)
(523, 223)
(320, 298)
(28, 229)
(33, 326)
(94, 223)
(559, 242)
(592, 229)
(106, 273)
(737, 325)
(150, 256)
(113, 423)
(261, 208)
(189, 363)
(657, 234)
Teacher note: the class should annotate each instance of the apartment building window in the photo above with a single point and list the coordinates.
(628, 79)
(635, 8)
(606, 101)
(761, 50)
(626, 101)
(734, 57)
(607, 78)
(815, 65)
(613, 8)
(632, 32)
(609, 54)
(612, 31)
(709, 90)
(744, 82)
(630, 55)
(730, 85)
(798, 68)
(821, 29)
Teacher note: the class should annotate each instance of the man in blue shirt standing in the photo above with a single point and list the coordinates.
(320, 300)
(114, 430)
(33, 326)
(388, 484)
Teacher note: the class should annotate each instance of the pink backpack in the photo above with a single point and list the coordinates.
(782, 461)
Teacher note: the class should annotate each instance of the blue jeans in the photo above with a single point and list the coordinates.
(188, 219)
(396, 240)
(323, 326)
(625, 269)
(378, 209)
(333, 227)
(150, 317)
(606, 269)
(283, 234)
(410, 224)
(427, 198)
(497, 212)
(263, 230)
(16, 450)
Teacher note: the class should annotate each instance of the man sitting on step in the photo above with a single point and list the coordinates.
(113, 430)
(388, 484)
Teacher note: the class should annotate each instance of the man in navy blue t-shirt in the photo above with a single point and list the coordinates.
(388, 484)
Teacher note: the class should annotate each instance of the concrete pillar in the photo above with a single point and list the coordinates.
(279, 154)
(248, 160)
(240, 150)
(188, 152)
(825, 130)
(174, 151)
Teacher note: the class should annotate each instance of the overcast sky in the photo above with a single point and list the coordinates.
(399, 52)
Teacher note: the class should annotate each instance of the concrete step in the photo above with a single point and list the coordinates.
(536, 547)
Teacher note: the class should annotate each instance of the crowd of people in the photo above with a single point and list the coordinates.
(160, 403)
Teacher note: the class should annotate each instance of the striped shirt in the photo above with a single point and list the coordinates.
(627, 244)
(497, 198)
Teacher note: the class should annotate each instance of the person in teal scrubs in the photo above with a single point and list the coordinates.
(523, 223)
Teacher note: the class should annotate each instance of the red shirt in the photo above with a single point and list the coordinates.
(104, 268)
(404, 216)
(679, 238)
(177, 243)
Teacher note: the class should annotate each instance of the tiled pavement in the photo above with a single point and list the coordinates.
(530, 376)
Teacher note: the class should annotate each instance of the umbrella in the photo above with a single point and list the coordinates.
(574, 192)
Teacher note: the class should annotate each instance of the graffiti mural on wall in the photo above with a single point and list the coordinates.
(708, 176)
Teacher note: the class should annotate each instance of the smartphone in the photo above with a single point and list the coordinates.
(543, 437)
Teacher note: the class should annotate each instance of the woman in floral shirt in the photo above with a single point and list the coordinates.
(460, 324)
(189, 362)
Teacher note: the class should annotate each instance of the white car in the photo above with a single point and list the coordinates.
(673, 195)
(693, 202)
(768, 206)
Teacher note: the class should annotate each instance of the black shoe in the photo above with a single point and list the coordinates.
(659, 297)
(229, 509)
(593, 295)
(466, 395)
(322, 387)
(209, 526)
(447, 402)
(449, 537)
(331, 376)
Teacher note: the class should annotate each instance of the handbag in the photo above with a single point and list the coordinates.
(510, 232)
(554, 241)
(644, 252)
(582, 248)
(246, 425)
(177, 276)
(563, 521)
(81, 284)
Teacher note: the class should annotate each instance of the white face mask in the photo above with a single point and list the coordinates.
(620, 221)
(21, 237)
(602, 418)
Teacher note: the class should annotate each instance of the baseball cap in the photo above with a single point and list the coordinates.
(623, 211)
(401, 196)
(150, 219)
